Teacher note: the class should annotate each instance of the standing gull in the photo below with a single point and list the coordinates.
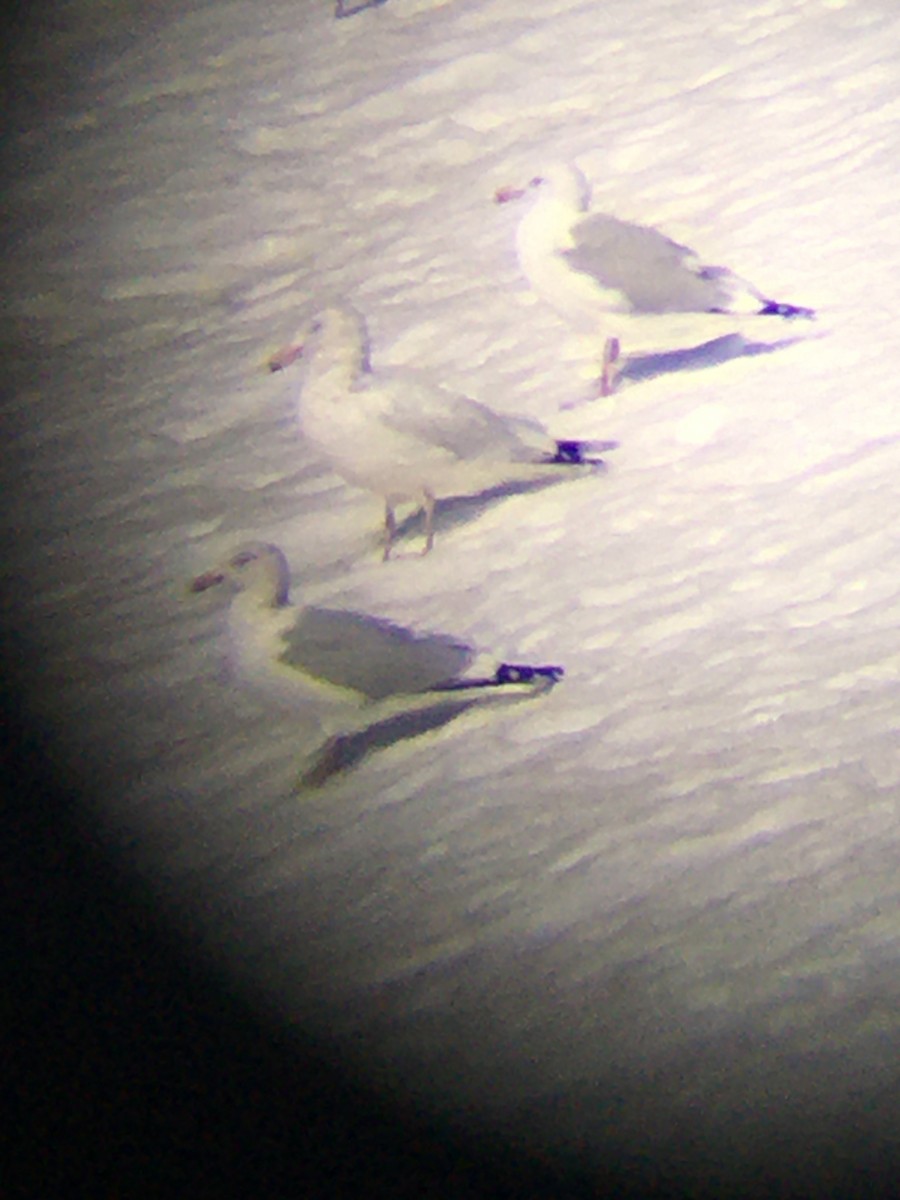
(407, 439)
(369, 683)
(595, 269)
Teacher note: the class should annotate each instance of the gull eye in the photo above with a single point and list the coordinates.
(244, 558)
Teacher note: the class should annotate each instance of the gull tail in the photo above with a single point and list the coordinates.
(506, 673)
(576, 453)
(738, 297)
(772, 308)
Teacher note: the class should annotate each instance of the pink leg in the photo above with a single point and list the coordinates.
(283, 358)
(390, 531)
(429, 522)
(611, 366)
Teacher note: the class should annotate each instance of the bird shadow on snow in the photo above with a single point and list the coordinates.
(349, 9)
(639, 368)
(456, 511)
(345, 751)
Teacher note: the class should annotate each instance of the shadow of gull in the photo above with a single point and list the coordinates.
(456, 511)
(638, 368)
(345, 751)
(343, 10)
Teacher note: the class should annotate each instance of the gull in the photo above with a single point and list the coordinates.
(595, 269)
(368, 682)
(407, 439)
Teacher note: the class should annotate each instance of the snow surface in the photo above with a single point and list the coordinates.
(660, 904)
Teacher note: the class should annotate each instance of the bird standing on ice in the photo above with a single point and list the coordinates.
(595, 270)
(368, 682)
(407, 439)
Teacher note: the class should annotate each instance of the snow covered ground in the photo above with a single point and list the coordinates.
(658, 907)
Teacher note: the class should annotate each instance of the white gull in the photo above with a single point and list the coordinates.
(407, 439)
(367, 682)
(597, 271)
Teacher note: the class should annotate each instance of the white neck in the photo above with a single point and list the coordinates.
(543, 235)
(337, 359)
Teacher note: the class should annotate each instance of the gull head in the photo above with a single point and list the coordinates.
(336, 331)
(560, 183)
(565, 184)
(333, 328)
(257, 569)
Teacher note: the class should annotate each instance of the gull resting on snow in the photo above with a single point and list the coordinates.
(369, 683)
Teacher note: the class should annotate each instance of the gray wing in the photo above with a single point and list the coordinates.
(655, 274)
(462, 427)
(374, 657)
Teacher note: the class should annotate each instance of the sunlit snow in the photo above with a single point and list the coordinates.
(671, 880)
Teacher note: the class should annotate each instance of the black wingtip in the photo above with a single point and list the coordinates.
(772, 308)
(505, 674)
(518, 673)
(569, 452)
(577, 453)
